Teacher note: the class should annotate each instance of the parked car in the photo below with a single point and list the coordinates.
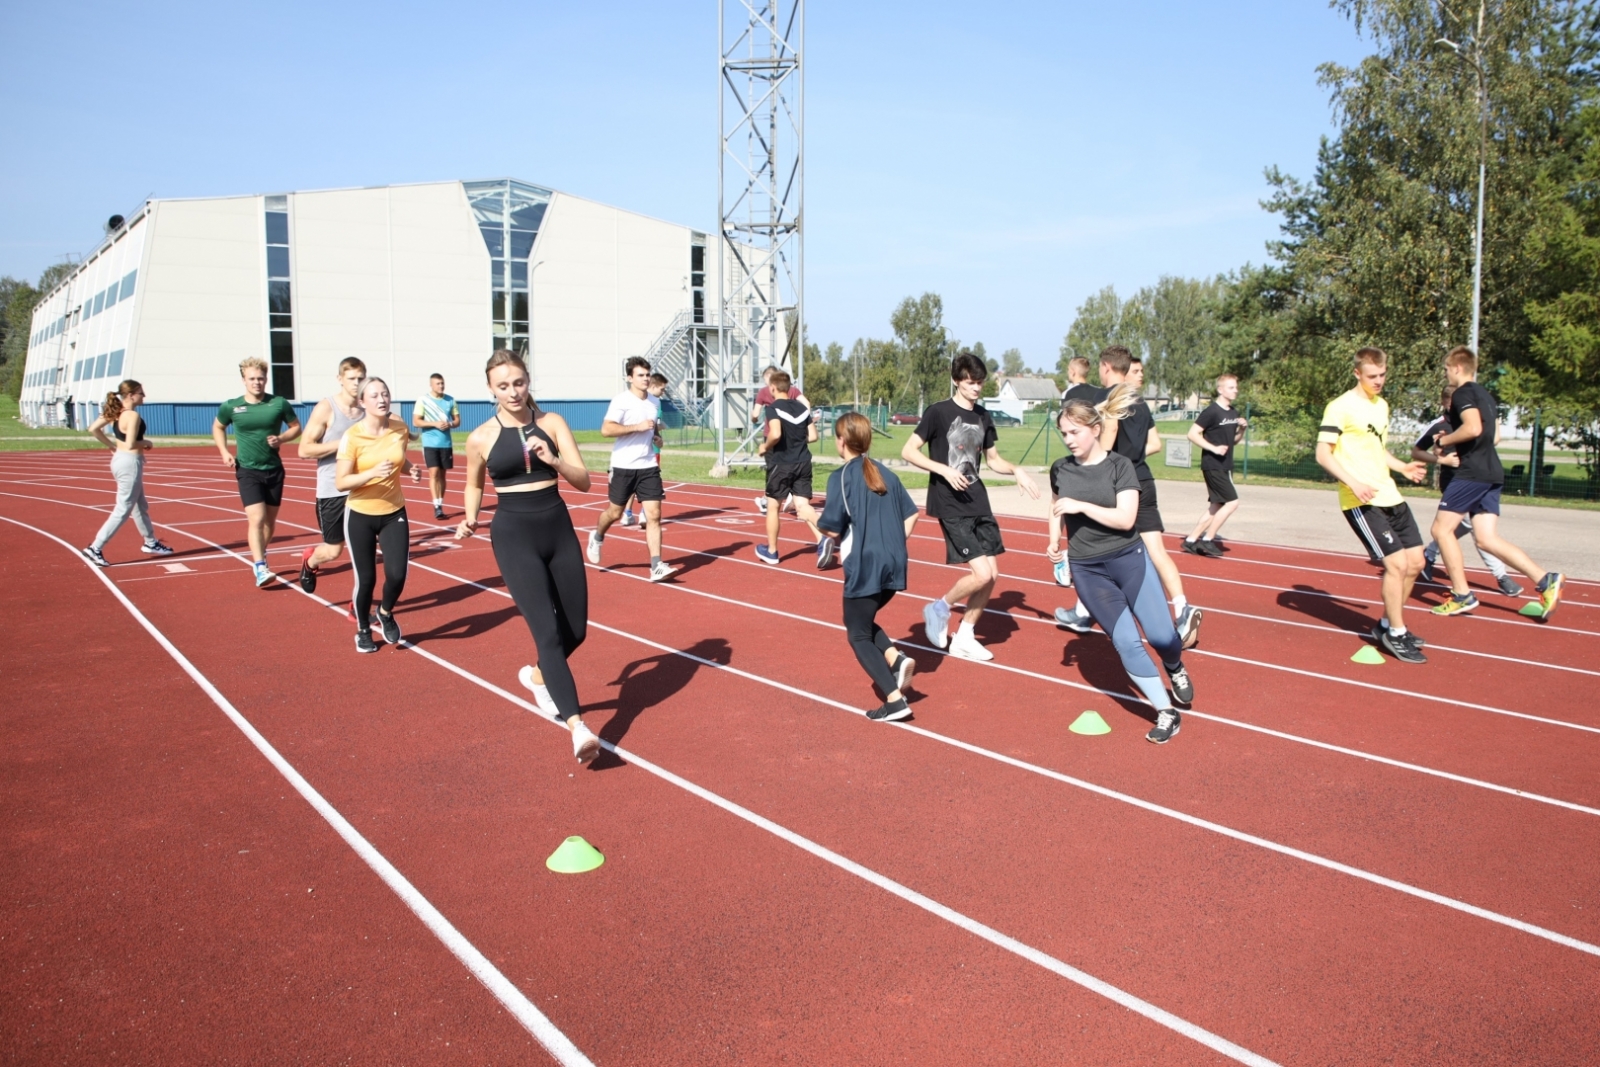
(903, 418)
(1004, 418)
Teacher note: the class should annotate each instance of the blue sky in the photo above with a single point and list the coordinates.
(1012, 158)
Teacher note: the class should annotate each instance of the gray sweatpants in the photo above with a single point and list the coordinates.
(128, 469)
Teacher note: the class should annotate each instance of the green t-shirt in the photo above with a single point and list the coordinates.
(252, 424)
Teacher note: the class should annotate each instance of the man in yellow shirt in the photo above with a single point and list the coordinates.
(1352, 446)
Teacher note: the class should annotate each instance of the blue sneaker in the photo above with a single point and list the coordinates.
(936, 618)
(766, 555)
(264, 575)
(825, 553)
(1063, 572)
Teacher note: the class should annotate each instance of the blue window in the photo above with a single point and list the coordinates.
(111, 296)
(98, 305)
(100, 365)
(127, 284)
(277, 227)
(77, 370)
(114, 364)
(277, 261)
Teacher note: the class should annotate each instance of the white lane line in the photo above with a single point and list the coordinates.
(532, 1019)
(973, 926)
(1192, 820)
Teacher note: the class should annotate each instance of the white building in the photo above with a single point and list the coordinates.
(412, 279)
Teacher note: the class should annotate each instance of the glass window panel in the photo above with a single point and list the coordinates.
(527, 216)
(111, 296)
(277, 228)
(100, 365)
(283, 380)
(277, 203)
(127, 283)
(282, 346)
(278, 297)
(495, 238)
(519, 344)
(521, 243)
(697, 258)
(519, 274)
(99, 303)
(519, 306)
(114, 364)
(280, 322)
(499, 341)
(497, 306)
(277, 262)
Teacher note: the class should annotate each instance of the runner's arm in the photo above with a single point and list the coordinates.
(1001, 465)
(473, 490)
(1053, 549)
(219, 437)
(290, 432)
(1120, 517)
(312, 446)
(1471, 429)
(1152, 442)
(98, 432)
(912, 454)
(569, 464)
(1330, 463)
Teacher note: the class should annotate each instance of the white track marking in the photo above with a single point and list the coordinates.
(532, 1019)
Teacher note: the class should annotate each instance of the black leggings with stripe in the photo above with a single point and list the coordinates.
(364, 533)
(539, 558)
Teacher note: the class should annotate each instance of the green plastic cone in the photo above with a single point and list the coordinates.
(1367, 654)
(1090, 723)
(1533, 609)
(574, 857)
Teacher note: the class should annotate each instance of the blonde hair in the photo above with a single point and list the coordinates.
(1118, 402)
(1462, 358)
(253, 362)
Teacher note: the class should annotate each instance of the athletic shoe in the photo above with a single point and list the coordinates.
(662, 570)
(1383, 624)
(1210, 548)
(1509, 587)
(541, 695)
(1182, 688)
(1063, 572)
(1216, 542)
(1075, 621)
(1401, 648)
(1457, 604)
(627, 517)
(364, 641)
(761, 504)
(264, 575)
(893, 711)
(825, 551)
(308, 573)
(903, 672)
(438, 512)
(1192, 547)
(585, 745)
(966, 646)
(1168, 722)
(391, 629)
(594, 549)
(155, 548)
(766, 555)
(1188, 624)
(92, 554)
(1550, 592)
(936, 618)
(1430, 571)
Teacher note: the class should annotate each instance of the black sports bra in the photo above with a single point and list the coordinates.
(512, 462)
(138, 435)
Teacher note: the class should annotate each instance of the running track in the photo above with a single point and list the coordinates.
(227, 833)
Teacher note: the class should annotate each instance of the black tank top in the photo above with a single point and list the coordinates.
(138, 435)
(511, 462)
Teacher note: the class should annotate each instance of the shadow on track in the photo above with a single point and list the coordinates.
(647, 682)
(1317, 604)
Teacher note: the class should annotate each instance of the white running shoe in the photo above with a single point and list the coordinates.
(662, 570)
(585, 745)
(1074, 620)
(761, 504)
(1188, 626)
(627, 518)
(936, 618)
(541, 695)
(594, 549)
(264, 575)
(966, 646)
(903, 671)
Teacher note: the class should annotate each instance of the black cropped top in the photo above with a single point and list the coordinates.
(512, 462)
(138, 434)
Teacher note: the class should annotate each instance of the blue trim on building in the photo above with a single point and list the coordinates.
(167, 420)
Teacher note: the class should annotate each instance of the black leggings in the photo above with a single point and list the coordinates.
(364, 533)
(537, 550)
(867, 638)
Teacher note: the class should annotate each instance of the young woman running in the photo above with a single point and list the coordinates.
(869, 508)
(1097, 492)
(372, 456)
(121, 416)
(525, 451)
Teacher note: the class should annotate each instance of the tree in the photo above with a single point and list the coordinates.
(918, 325)
(1101, 320)
(1011, 362)
(17, 301)
(1178, 318)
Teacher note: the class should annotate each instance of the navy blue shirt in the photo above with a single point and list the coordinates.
(872, 528)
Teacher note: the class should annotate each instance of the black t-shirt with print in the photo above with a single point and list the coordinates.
(1219, 426)
(794, 420)
(1480, 461)
(958, 438)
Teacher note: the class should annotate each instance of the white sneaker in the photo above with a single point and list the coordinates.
(594, 549)
(904, 668)
(541, 695)
(585, 745)
(936, 619)
(662, 570)
(627, 518)
(966, 646)
(761, 504)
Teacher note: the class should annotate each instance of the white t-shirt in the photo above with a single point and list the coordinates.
(633, 450)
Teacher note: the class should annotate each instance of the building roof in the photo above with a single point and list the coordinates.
(1031, 388)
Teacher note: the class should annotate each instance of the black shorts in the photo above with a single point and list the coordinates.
(439, 457)
(260, 487)
(965, 539)
(1219, 487)
(1149, 517)
(1385, 531)
(330, 516)
(786, 478)
(629, 482)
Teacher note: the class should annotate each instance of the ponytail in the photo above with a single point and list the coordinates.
(111, 411)
(1115, 406)
(856, 432)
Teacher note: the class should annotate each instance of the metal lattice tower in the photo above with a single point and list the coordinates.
(760, 191)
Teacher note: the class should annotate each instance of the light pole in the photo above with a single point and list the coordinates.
(1475, 61)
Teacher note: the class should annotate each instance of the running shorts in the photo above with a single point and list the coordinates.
(1149, 517)
(1219, 487)
(1464, 497)
(330, 516)
(786, 478)
(628, 482)
(444, 458)
(260, 487)
(1384, 531)
(965, 539)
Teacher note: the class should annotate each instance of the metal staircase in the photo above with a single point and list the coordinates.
(685, 353)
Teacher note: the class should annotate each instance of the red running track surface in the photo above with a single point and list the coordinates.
(1332, 863)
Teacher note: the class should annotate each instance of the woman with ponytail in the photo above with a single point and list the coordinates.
(121, 415)
(1096, 492)
(873, 514)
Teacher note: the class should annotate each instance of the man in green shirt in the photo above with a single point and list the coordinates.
(262, 423)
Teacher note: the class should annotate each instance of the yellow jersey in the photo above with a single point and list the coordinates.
(1357, 426)
(381, 496)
